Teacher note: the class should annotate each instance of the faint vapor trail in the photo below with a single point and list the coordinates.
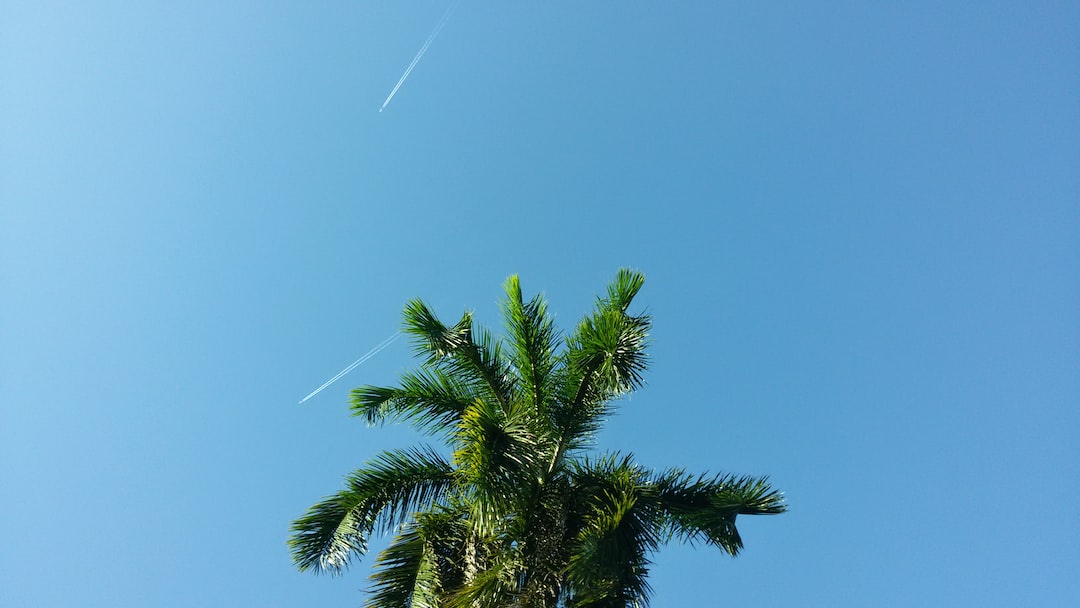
(420, 53)
(371, 353)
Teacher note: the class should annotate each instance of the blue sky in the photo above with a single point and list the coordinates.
(860, 227)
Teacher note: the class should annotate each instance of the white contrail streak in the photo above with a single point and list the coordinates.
(420, 53)
(371, 353)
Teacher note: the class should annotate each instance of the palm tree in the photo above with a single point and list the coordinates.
(519, 514)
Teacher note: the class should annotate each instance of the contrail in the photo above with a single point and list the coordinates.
(420, 53)
(371, 353)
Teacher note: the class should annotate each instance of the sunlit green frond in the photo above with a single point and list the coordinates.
(389, 489)
(704, 508)
(604, 359)
(533, 338)
(431, 338)
(429, 398)
(497, 455)
(468, 353)
(406, 574)
(331, 533)
(613, 344)
(481, 358)
(403, 482)
(621, 291)
(423, 563)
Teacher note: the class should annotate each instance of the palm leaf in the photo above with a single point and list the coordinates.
(604, 359)
(462, 351)
(497, 455)
(431, 338)
(620, 526)
(405, 574)
(388, 490)
(422, 563)
(330, 534)
(533, 338)
(497, 584)
(704, 508)
(429, 398)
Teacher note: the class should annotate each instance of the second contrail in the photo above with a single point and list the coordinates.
(371, 353)
(420, 53)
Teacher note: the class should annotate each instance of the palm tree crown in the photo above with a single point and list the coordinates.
(519, 514)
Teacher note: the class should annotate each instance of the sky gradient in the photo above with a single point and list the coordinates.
(859, 226)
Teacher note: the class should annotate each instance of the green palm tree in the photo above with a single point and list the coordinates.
(519, 514)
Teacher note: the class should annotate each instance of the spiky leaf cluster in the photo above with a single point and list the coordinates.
(519, 515)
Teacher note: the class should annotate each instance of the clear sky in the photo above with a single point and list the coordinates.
(859, 223)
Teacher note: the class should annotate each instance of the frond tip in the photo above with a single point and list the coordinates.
(329, 535)
(392, 487)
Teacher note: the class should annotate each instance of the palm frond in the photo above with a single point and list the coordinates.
(497, 455)
(621, 291)
(389, 489)
(497, 584)
(611, 344)
(431, 338)
(705, 508)
(481, 358)
(604, 359)
(330, 534)
(429, 398)
(468, 353)
(402, 482)
(423, 562)
(406, 575)
(620, 527)
(533, 339)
